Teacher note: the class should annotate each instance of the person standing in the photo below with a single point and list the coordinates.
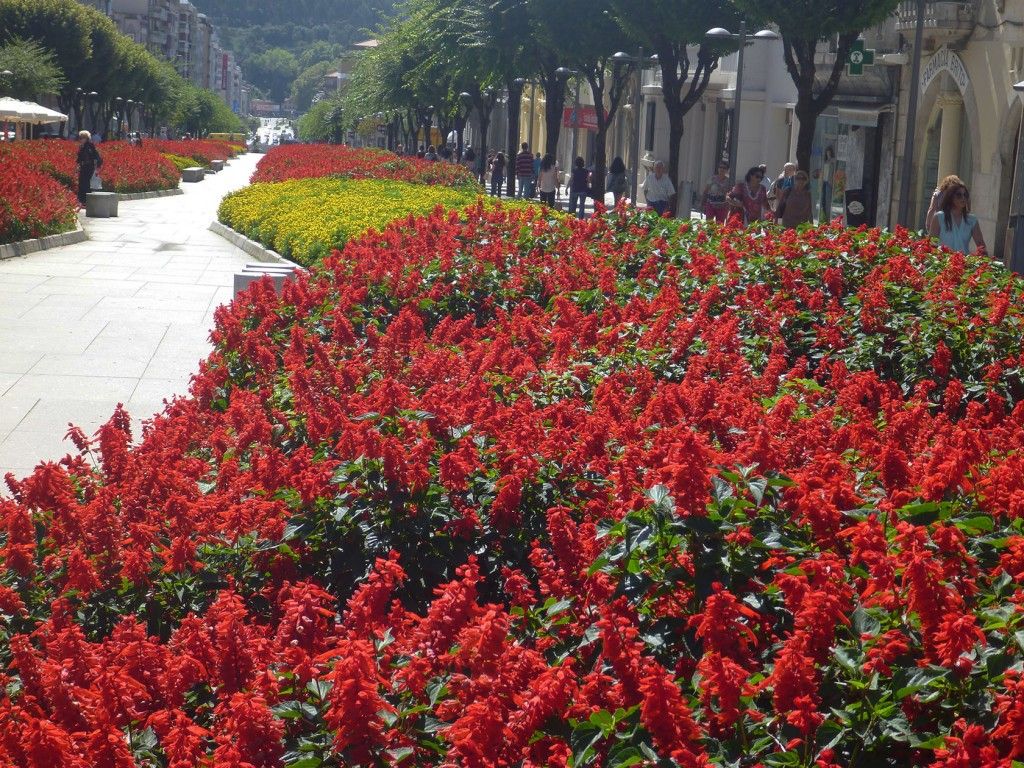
(955, 225)
(617, 183)
(524, 171)
(939, 196)
(89, 161)
(537, 162)
(713, 203)
(795, 206)
(780, 185)
(497, 174)
(579, 188)
(748, 198)
(547, 180)
(658, 189)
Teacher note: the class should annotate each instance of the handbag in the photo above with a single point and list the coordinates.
(95, 183)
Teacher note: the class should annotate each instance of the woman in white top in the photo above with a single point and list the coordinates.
(954, 224)
(658, 189)
(547, 180)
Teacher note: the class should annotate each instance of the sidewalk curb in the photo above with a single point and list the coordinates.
(251, 247)
(25, 247)
(127, 196)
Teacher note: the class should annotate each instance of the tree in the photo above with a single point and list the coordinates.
(274, 70)
(671, 29)
(309, 84)
(33, 69)
(319, 52)
(804, 24)
(324, 122)
(588, 48)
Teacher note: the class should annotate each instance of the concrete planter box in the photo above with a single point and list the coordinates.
(192, 175)
(216, 166)
(25, 247)
(254, 272)
(101, 205)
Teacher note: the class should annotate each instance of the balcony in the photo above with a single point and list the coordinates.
(942, 19)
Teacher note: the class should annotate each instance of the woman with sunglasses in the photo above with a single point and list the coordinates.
(955, 225)
(795, 204)
(749, 199)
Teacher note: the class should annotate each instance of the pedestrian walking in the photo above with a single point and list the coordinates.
(617, 183)
(795, 206)
(748, 199)
(524, 171)
(89, 161)
(955, 225)
(547, 180)
(497, 173)
(579, 188)
(658, 189)
(713, 199)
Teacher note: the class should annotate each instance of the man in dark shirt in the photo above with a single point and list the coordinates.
(524, 171)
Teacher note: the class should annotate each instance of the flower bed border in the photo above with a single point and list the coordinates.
(251, 247)
(25, 247)
(128, 196)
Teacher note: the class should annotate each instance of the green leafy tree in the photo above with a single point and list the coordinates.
(33, 69)
(324, 122)
(309, 84)
(588, 48)
(274, 70)
(673, 30)
(804, 24)
(319, 52)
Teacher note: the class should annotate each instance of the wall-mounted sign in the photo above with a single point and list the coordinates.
(945, 60)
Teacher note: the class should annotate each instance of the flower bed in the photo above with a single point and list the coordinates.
(514, 490)
(304, 161)
(32, 204)
(126, 168)
(305, 219)
(202, 151)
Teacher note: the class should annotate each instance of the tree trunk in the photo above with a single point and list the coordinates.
(515, 97)
(554, 104)
(484, 116)
(808, 117)
(676, 119)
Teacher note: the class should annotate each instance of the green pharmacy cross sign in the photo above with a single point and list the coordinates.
(859, 58)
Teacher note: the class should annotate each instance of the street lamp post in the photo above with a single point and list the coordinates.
(909, 129)
(565, 73)
(1017, 209)
(92, 112)
(624, 58)
(718, 33)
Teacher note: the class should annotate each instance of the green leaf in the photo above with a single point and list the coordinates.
(401, 753)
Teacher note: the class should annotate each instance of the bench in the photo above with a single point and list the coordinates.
(193, 174)
(257, 271)
(101, 205)
(216, 166)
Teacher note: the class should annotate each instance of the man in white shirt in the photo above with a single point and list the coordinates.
(658, 189)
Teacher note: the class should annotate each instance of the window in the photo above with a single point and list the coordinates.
(652, 112)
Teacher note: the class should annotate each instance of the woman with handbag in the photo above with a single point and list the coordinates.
(89, 161)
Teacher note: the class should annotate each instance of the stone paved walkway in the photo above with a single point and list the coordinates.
(121, 318)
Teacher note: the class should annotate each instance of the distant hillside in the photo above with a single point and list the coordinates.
(251, 27)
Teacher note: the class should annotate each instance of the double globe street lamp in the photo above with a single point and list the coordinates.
(720, 33)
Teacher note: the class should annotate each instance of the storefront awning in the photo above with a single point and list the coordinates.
(866, 115)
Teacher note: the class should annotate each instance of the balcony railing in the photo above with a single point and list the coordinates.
(941, 16)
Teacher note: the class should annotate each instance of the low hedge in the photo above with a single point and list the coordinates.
(305, 219)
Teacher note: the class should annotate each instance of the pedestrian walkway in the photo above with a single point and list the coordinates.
(121, 318)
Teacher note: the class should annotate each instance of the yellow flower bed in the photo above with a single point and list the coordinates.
(305, 219)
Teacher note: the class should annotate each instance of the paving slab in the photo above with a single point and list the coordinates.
(123, 317)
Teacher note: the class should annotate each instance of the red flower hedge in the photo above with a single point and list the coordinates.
(33, 205)
(516, 490)
(303, 161)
